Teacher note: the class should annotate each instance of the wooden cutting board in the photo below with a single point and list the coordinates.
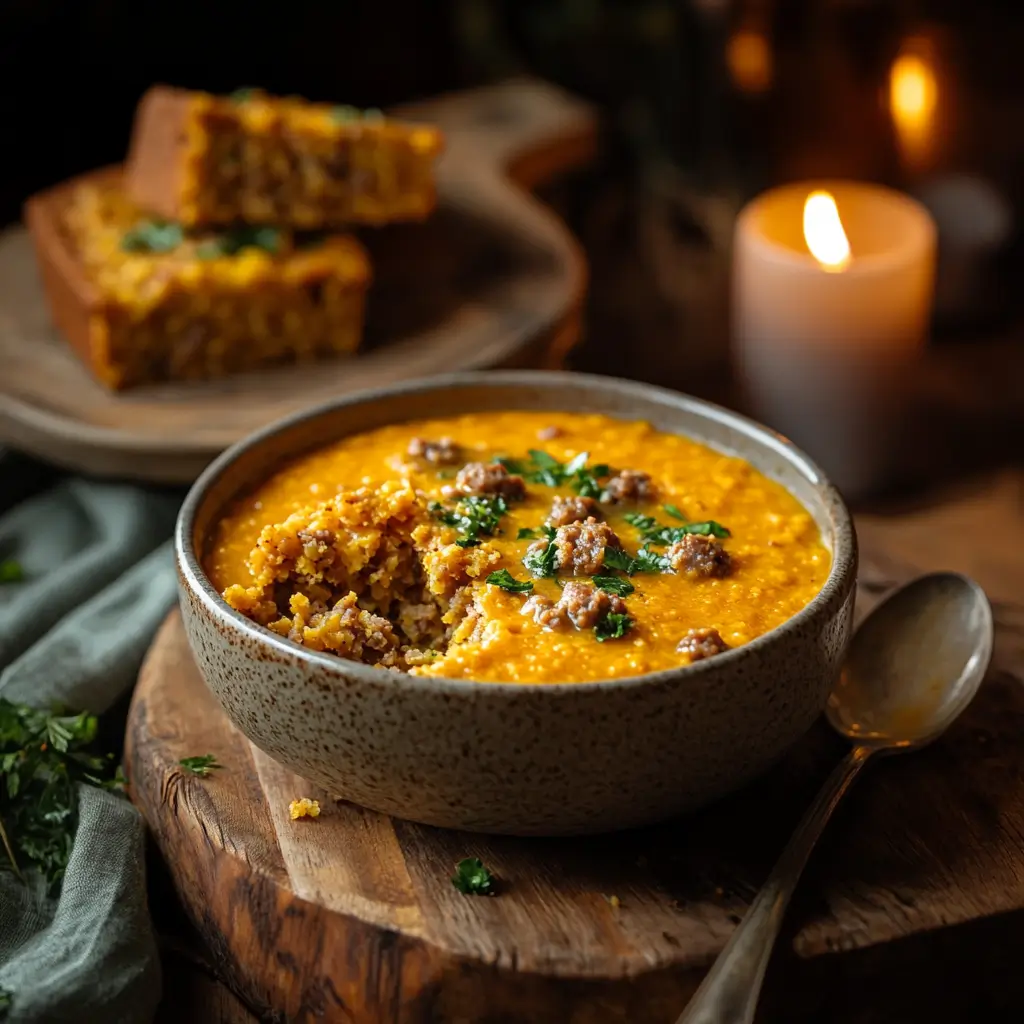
(910, 911)
(494, 278)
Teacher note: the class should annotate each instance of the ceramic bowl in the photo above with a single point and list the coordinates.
(549, 759)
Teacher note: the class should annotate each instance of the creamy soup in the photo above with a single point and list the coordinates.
(521, 547)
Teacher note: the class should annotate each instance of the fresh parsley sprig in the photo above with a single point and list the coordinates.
(614, 585)
(540, 561)
(43, 755)
(473, 878)
(504, 579)
(613, 626)
(201, 765)
(645, 560)
(152, 236)
(654, 532)
(473, 517)
(543, 468)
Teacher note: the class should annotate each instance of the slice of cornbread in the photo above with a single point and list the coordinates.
(143, 301)
(211, 160)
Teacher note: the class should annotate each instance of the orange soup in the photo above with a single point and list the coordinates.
(519, 547)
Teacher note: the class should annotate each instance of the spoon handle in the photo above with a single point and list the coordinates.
(729, 992)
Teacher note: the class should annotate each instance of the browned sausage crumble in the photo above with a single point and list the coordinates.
(702, 643)
(697, 555)
(442, 452)
(580, 547)
(572, 509)
(629, 485)
(488, 478)
(581, 603)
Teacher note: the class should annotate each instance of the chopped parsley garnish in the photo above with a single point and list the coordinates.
(654, 532)
(613, 626)
(475, 516)
(545, 469)
(527, 533)
(232, 242)
(614, 585)
(673, 511)
(242, 95)
(152, 236)
(541, 561)
(201, 765)
(504, 579)
(472, 878)
(645, 561)
(11, 571)
(43, 756)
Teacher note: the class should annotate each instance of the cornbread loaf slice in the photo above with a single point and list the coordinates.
(143, 301)
(212, 160)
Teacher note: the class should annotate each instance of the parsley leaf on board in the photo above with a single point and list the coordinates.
(541, 561)
(43, 756)
(504, 579)
(614, 585)
(11, 571)
(655, 533)
(613, 626)
(472, 878)
(201, 765)
(473, 516)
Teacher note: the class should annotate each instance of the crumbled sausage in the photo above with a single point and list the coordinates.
(586, 605)
(573, 509)
(629, 485)
(544, 611)
(580, 547)
(442, 452)
(581, 604)
(489, 478)
(702, 643)
(549, 433)
(697, 555)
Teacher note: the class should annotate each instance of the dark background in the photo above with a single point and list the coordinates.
(684, 144)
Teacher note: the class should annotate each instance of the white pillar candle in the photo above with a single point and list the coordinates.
(830, 316)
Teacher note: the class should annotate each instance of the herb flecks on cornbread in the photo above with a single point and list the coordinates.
(207, 160)
(690, 554)
(158, 303)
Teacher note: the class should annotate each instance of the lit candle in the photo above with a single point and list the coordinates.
(913, 98)
(832, 292)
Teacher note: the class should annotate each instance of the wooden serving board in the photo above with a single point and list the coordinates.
(492, 279)
(911, 910)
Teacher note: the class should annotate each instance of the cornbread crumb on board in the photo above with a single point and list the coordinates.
(304, 808)
(461, 576)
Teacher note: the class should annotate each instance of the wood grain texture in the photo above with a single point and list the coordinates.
(492, 279)
(353, 918)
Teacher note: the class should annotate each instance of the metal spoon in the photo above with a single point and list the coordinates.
(912, 667)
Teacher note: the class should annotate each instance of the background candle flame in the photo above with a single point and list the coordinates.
(823, 232)
(913, 101)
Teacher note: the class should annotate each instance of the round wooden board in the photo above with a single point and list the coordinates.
(492, 279)
(353, 918)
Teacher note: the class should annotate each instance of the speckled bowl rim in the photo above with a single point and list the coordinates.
(841, 577)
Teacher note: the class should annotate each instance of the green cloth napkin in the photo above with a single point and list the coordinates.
(99, 578)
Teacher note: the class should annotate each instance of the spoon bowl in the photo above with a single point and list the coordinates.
(914, 664)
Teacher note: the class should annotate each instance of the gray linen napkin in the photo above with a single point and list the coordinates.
(99, 578)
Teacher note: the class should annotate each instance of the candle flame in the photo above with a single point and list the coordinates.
(749, 59)
(823, 232)
(913, 99)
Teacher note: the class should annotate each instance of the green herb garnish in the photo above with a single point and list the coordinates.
(527, 533)
(201, 765)
(11, 571)
(43, 755)
(343, 112)
(613, 626)
(242, 95)
(473, 516)
(645, 561)
(654, 532)
(233, 241)
(614, 585)
(673, 511)
(504, 579)
(545, 469)
(152, 236)
(472, 878)
(541, 561)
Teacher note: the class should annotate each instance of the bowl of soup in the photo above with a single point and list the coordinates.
(519, 602)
